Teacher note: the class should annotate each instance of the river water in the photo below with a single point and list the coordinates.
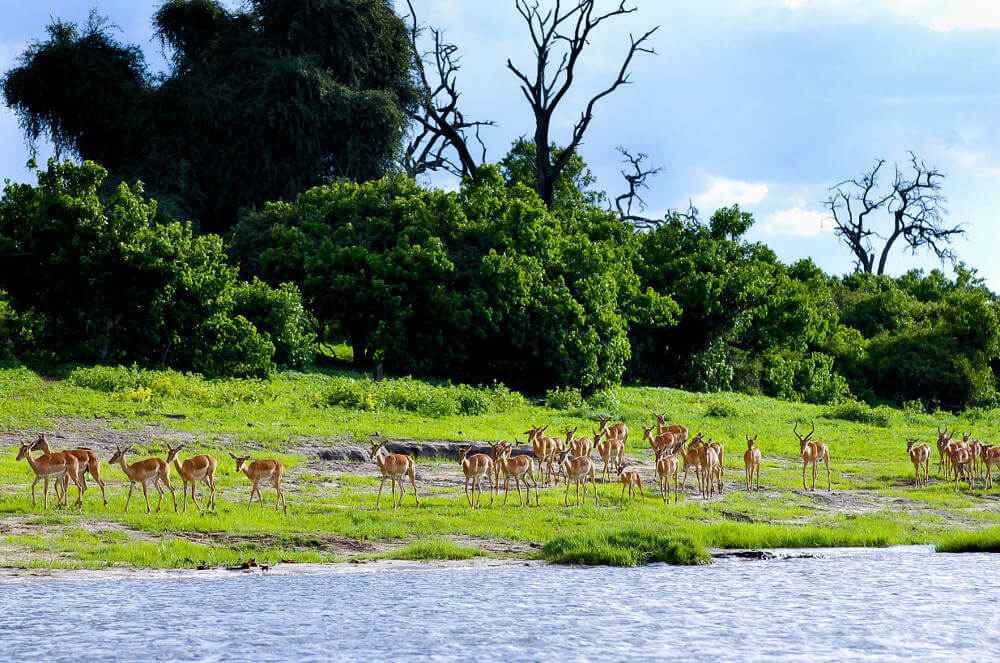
(888, 604)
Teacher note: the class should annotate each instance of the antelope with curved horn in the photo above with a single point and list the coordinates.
(667, 466)
(193, 470)
(631, 480)
(474, 467)
(579, 470)
(87, 460)
(813, 451)
(518, 468)
(920, 456)
(664, 440)
(141, 472)
(266, 469)
(751, 461)
(544, 448)
(52, 466)
(393, 467)
(678, 430)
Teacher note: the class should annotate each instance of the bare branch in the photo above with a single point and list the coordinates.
(630, 204)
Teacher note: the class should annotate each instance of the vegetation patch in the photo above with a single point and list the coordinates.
(984, 540)
(624, 547)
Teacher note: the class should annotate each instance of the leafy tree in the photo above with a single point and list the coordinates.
(259, 104)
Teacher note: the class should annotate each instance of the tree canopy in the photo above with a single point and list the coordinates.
(258, 104)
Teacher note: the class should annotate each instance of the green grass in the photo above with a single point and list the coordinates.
(273, 418)
(987, 540)
(435, 548)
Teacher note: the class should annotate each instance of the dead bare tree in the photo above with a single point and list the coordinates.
(560, 34)
(914, 203)
(630, 204)
(441, 136)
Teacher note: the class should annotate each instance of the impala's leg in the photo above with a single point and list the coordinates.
(33, 484)
(145, 493)
(675, 488)
(506, 490)
(642, 495)
(45, 495)
(593, 484)
(623, 491)
(194, 497)
(129, 498)
(159, 489)
(535, 482)
(477, 491)
(96, 474)
(829, 483)
(804, 465)
(467, 499)
(566, 499)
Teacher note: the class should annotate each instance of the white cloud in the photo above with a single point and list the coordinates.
(796, 221)
(722, 192)
(965, 15)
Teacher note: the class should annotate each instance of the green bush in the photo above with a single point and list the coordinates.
(720, 408)
(861, 412)
(563, 399)
(606, 401)
(132, 383)
(625, 547)
(416, 396)
(278, 312)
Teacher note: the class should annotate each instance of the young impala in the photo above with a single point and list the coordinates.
(611, 451)
(141, 472)
(393, 467)
(88, 462)
(578, 470)
(475, 467)
(266, 469)
(751, 461)
(193, 470)
(52, 466)
(667, 466)
(920, 456)
(631, 480)
(519, 469)
(813, 451)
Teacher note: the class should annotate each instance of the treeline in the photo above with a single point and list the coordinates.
(479, 285)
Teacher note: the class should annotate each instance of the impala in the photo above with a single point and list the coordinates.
(961, 459)
(751, 461)
(632, 481)
(690, 456)
(393, 467)
(544, 448)
(88, 462)
(943, 439)
(708, 463)
(612, 451)
(614, 430)
(474, 467)
(662, 427)
(579, 446)
(193, 470)
(990, 456)
(266, 469)
(52, 466)
(664, 440)
(920, 456)
(667, 466)
(720, 469)
(813, 451)
(519, 469)
(579, 470)
(141, 472)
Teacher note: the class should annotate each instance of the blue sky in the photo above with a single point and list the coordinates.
(762, 102)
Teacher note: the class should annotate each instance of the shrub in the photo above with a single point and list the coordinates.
(563, 399)
(861, 412)
(415, 396)
(278, 312)
(720, 408)
(606, 401)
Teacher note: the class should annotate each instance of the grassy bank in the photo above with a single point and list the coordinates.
(296, 416)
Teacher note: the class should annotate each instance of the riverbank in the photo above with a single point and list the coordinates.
(331, 489)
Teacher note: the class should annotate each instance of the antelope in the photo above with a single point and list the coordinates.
(544, 448)
(266, 469)
(52, 466)
(88, 462)
(614, 430)
(943, 439)
(920, 456)
(495, 451)
(720, 469)
(690, 457)
(579, 470)
(677, 429)
(580, 446)
(812, 451)
(630, 480)
(191, 471)
(474, 467)
(140, 472)
(708, 461)
(517, 468)
(751, 461)
(667, 466)
(611, 450)
(664, 440)
(990, 456)
(393, 467)
(961, 459)
(975, 447)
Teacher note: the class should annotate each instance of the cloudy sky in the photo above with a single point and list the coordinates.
(762, 102)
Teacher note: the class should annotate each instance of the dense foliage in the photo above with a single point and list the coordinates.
(90, 278)
(477, 285)
(259, 104)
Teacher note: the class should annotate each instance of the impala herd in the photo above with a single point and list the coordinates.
(550, 459)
